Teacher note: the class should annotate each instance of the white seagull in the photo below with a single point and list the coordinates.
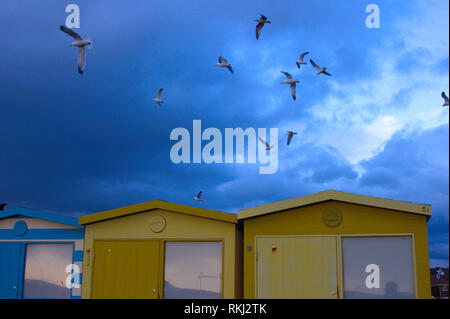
(300, 62)
(158, 97)
(261, 21)
(291, 81)
(268, 147)
(445, 97)
(290, 134)
(223, 63)
(199, 197)
(319, 69)
(81, 44)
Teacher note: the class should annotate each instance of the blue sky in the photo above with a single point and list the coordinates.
(80, 144)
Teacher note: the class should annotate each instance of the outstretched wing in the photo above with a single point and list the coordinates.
(265, 143)
(289, 139)
(302, 56)
(159, 93)
(263, 17)
(230, 68)
(288, 76)
(325, 72)
(199, 195)
(220, 59)
(81, 59)
(293, 91)
(259, 26)
(314, 65)
(70, 32)
(445, 97)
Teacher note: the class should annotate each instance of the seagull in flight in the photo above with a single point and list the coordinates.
(319, 69)
(261, 21)
(268, 147)
(223, 63)
(158, 97)
(290, 134)
(300, 62)
(199, 197)
(81, 44)
(439, 273)
(445, 97)
(2, 206)
(291, 81)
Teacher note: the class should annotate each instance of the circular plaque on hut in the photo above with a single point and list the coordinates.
(332, 217)
(157, 223)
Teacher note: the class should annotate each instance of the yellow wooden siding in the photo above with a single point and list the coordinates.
(178, 227)
(126, 269)
(296, 267)
(357, 219)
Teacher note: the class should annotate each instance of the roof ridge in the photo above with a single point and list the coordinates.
(158, 204)
(422, 209)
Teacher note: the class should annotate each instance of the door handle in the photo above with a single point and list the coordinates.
(333, 292)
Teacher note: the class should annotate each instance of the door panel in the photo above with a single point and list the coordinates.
(126, 269)
(10, 271)
(296, 267)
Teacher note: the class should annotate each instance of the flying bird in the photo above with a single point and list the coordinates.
(2, 206)
(445, 97)
(290, 134)
(291, 81)
(261, 21)
(81, 44)
(158, 97)
(199, 197)
(300, 62)
(268, 147)
(319, 69)
(223, 63)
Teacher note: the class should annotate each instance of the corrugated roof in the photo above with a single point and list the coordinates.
(422, 209)
(158, 204)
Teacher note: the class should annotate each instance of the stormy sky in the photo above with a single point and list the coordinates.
(76, 144)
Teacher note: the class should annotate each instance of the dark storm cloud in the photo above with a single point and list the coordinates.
(78, 144)
(414, 167)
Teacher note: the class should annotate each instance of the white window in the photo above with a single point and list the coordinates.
(193, 270)
(45, 270)
(378, 267)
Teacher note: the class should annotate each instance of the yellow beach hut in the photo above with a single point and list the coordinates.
(159, 249)
(336, 245)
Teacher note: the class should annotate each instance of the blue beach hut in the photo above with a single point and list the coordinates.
(41, 255)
